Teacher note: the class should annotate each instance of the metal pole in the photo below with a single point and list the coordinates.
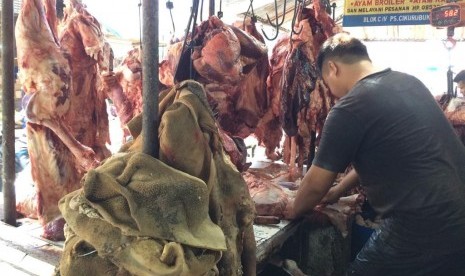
(8, 114)
(150, 120)
(211, 8)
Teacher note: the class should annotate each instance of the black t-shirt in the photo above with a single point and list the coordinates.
(409, 160)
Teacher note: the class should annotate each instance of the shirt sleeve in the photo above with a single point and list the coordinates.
(340, 140)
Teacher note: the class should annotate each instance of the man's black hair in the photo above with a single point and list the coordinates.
(460, 76)
(342, 47)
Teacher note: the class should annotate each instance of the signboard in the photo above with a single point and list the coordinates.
(388, 12)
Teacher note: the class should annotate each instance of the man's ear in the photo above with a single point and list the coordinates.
(333, 68)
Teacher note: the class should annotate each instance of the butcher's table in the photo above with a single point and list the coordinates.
(270, 239)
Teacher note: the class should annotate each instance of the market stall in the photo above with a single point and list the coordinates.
(214, 135)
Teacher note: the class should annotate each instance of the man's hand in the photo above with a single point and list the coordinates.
(336, 192)
(289, 212)
(313, 188)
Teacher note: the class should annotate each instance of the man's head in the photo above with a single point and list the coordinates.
(460, 80)
(341, 61)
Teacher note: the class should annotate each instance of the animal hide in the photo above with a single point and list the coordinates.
(189, 143)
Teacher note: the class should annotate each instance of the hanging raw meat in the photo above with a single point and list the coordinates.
(89, 55)
(232, 64)
(67, 120)
(129, 75)
(269, 131)
(124, 86)
(305, 100)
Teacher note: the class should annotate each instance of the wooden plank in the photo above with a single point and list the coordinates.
(41, 250)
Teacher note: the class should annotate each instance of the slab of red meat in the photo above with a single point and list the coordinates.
(217, 58)
(305, 98)
(269, 198)
(124, 87)
(83, 42)
(167, 68)
(299, 73)
(68, 124)
(129, 75)
(236, 150)
(273, 197)
(233, 66)
(269, 130)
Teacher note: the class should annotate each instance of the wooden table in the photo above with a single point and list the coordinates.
(270, 239)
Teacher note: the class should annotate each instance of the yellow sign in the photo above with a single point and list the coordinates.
(388, 12)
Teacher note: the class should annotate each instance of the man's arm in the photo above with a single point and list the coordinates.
(348, 182)
(314, 186)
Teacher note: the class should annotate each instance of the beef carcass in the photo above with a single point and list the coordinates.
(232, 64)
(305, 98)
(239, 95)
(124, 86)
(62, 145)
(167, 68)
(129, 75)
(89, 55)
(269, 131)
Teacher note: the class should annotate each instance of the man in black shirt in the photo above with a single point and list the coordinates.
(460, 80)
(406, 157)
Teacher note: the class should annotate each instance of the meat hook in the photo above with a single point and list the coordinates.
(192, 17)
(294, 17)
(333, 6)
(169, 6)
(276, 13)
(277, 25)
(253, 17)
(220, 12)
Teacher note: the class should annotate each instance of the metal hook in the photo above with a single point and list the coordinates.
(169, 6)
(253, 17)
(295, 17)
(276, 14)
(276, 35)
(191, 23)
(220, 12)
(333, 5)
(277, 25)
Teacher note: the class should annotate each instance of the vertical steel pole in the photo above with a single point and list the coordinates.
(211, 8)
(8, 113)
(150, 119)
